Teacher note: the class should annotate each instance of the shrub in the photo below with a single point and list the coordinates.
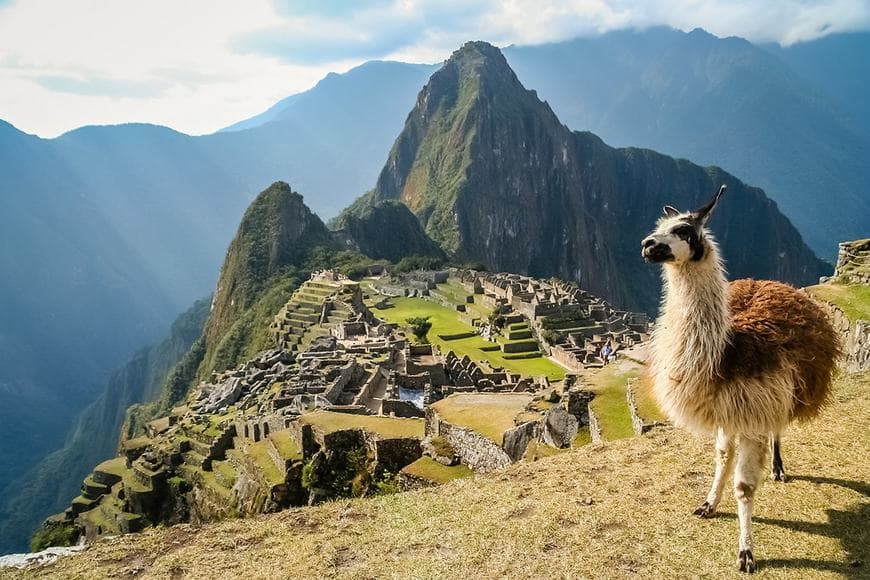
(420, 326)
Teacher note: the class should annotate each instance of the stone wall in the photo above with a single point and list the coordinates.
(856, 340)
(594, 429)
(480, 454)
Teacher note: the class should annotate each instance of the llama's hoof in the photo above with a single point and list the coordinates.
(745, 561)
(705, 511)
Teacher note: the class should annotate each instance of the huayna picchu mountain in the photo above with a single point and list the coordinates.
(276, 237)
(494, 177)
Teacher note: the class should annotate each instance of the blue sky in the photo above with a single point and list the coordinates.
(198, 65)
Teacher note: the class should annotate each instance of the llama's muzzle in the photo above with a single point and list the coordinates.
(653, 251)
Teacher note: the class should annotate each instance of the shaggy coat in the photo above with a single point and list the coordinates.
(742, 359)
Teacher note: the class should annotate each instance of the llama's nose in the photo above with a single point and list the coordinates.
(648, 243)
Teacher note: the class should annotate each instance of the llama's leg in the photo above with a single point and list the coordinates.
(724, 463)
(777, 473)
(747, 477)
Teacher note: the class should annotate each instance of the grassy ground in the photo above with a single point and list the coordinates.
(286, 444)
(387, 427)
(618, 510)
(260, 454)
(445, 321)
(852, 299)
(489, 414)
(428, 468)
(610, 404)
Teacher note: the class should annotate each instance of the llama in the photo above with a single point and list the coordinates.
(742, 360)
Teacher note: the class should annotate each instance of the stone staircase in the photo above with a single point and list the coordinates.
(311, 312)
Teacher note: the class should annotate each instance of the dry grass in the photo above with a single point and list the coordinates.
(618, 510)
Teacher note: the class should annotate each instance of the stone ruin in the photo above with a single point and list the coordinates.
(579, 322)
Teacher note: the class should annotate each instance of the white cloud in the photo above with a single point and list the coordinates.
(198, 65)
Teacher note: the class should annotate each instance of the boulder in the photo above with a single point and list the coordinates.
(560, 427)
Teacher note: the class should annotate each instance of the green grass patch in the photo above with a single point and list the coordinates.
(647, 408)
(429, 469)
(384, 427)
(445, 321)
(852, 299)
(610, 403)
(583, 437)
(286, 444)
(116, 466)
(260, 454)
(488, 414)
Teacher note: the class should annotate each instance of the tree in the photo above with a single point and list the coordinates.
(420, 326)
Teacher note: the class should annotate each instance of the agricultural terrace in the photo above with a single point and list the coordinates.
(445, 322)
(384, 427)
(610, 402)
(852, 299)
(489, 414)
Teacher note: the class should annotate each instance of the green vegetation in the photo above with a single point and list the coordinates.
(852, 299)
(411, 263)
(386, 230)
(647, 408)
(429, 469)
(446, 322)
(116, 466)
(420, 326)
(442, 446)
(583, 437)
(286, 444)
(610, 404)
(384, 427)
(54, 534)
(538, 450)
(260, 454)
(488, 414)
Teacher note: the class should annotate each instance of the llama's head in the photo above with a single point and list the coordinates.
(680, 237)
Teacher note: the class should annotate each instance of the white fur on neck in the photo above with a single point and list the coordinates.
(691, 333)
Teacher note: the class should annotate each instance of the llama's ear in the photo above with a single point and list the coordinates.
(703, 214)
(670, 211)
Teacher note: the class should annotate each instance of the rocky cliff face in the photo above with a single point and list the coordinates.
(493, 176)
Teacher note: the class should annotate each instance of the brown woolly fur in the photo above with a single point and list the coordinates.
(774, 325)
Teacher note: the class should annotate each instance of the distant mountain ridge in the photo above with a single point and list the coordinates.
(494, 177)
(725, 102)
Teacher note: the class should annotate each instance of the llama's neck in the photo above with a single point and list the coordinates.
(692, 331)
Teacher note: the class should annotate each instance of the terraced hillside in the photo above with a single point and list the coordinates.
(617, 510)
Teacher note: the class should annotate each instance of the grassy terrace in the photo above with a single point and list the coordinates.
(610, 404)
(287, 446)
(260, 455)
(647, 408)
(852, 299)
(429, 469)
(116, 466)
(384, 427)
(488, 414)
(445, 321)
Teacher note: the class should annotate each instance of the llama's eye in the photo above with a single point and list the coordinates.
(683, 231)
